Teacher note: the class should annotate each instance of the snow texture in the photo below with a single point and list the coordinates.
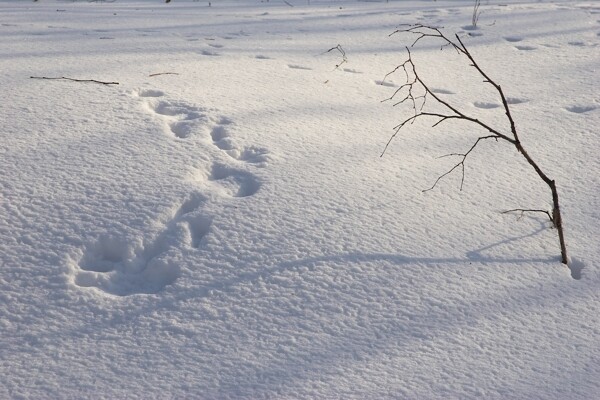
(220, 224)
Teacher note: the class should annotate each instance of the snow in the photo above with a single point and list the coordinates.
(227, 228)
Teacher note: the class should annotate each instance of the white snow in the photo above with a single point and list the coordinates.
(227, 229)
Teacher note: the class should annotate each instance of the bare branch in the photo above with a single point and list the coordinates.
(415, 85)
(163, 73)
(524, 210)
(341, 51)
(74, 80)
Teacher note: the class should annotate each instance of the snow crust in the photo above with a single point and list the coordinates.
(221, 225)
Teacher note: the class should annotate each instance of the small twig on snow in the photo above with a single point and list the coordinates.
(341, 51)
(163, 73)
(524, 210)
(74, 80)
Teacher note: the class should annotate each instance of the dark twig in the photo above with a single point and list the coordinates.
(412, 90)
(74, 80)
(524, 210)
(341, 51)
(163, 73)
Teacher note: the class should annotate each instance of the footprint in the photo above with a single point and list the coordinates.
(230, 182)
(199, 227)
(124, 267)
(252, 155)
(352, 71)
(293, 66)
(209, 53)
(441, 91)
(216, 46)
(513, 39)
(181, 118)
(516, 100)
(484, 105)
(261, 57)
(221, 139)
(386, 83)
(579, 109)
(149, 93)
(525, 48)
(475, 34)
(237, 183)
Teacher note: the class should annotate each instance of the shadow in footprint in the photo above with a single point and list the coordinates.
(199, 227)
(484, 105)
(150, 93)
(516, 100)
(576, 266)
(577, 109)
(299, 67)
(525, 48)
(441, 91)
(513, 39)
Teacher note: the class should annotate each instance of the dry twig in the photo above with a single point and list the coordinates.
(74, 80)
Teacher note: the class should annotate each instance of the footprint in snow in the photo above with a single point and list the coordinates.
(441, 91)
(227, 181)
(209, 53)
(182, 119)
(293, 66)
(484, 105)
(223, 140)
(261, 57)
(513, 39)
(351, 71)
(516, 100)
(122, 267)
(526, 48)
(580, 109)
(386, 83)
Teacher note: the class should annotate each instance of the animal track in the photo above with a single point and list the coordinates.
(441, 91)
(526, 48)
(124, 267)
(385, 83)
(223, 140)
(484, 105)
(578, 109)
(516, 100)
(181, 118)
(513, 39)
(292, 66)
(230, 182)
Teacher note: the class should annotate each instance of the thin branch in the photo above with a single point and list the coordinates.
(341, 51)
(524, 210)
(163, 73)
(461, 163)
(74, 80)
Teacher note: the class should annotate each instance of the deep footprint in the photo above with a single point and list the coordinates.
(124, 267)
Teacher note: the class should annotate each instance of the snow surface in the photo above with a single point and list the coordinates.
(229, 230)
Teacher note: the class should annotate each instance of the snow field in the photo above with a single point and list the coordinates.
(228, 229)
